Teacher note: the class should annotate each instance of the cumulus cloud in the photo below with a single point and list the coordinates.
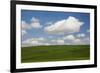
(66, 40)
(33, 42)
(38, 39)
(69, 25)
(69, 37)
(60, 42)
(35, 23)
(86, 40)
(77, 41)
(25, 25)
(41, 41)
(81, 35)
(23, 32)
(81, 41)
(30, 43)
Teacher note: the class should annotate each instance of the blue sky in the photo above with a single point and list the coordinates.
(44, 20)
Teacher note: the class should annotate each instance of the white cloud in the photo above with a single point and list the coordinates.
(23, 32)
(35, 23)
(69, 37)
(67, 40)
(37, 39)
(83, 41)
(86, 40)
(41, 38)
(80, 35)
(60, 42)
(53, 40)
(77, 41)
(41, 41)
(34, 42)
(69, 25)
(25, 25)
(31, 42)
(46, 44)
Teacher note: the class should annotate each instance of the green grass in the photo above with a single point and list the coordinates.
(55, 53)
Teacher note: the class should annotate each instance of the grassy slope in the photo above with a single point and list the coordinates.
(55, 53)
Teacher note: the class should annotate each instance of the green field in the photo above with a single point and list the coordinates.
(55, 53)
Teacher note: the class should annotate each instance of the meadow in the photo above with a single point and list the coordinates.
(55, 53)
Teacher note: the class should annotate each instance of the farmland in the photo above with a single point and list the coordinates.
(55, 53)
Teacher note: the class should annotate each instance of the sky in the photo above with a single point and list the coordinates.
(54, 28)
